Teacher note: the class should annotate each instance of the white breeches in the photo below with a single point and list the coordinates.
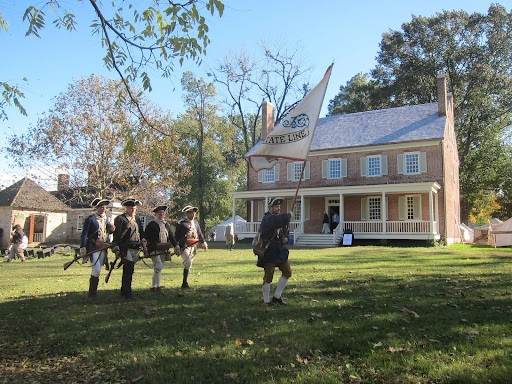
(15, 250)
(97, 260)
(158, 265)
(188, 255)
(132, 255)
(325, 228)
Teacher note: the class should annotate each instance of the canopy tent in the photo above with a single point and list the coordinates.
(500, 234)
(467, 233)
(220, 228)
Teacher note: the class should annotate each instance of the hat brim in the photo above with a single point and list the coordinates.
(276, 201)
(160, 208)
(131, 203)
(189, 208)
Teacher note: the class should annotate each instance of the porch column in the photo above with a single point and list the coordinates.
(383, 211)
(341, 225)
(251, 216)
(233, 207)
(437, 213)
(431, 210)
(302, 212)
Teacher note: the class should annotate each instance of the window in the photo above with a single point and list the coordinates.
(297, 170)
(374, 166)
(412, 163)
(269, 175)
(374, 208)
(334, 169)
(410, 208)
(143, 221)
(79, 222)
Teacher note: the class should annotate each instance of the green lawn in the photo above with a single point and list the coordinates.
(354, 315)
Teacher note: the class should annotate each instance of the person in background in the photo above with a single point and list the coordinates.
(18, 245)
(229, 234)
(325, 224)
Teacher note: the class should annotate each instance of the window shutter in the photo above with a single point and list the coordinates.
(260, 176)
(307, 207)
(325, 168)
(276, 171)
(364, 208)
(400, 163)
(289, 171)
(423, 162)
(417, 207)
(364, 166)
(402, 208)
(343, 167)
(307, 171)
(384, 164)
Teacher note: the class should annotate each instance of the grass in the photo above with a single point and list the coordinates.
(354, 315)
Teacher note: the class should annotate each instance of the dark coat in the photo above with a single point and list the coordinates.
(123, 233)
(90, 233)
(183, 228)
(274, 228)
(152, 235)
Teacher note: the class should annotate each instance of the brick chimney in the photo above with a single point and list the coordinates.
(442, 94)
(267, 118)
(62, 181)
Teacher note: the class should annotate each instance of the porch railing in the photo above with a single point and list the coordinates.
(38, 237)
(254, 226)
(413, 226)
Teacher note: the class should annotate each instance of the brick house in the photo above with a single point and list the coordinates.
(387, 174)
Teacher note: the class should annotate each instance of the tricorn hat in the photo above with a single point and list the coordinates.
(275, 201)
(98, 202)
(130, 202)
(160, 208)
(187, 208)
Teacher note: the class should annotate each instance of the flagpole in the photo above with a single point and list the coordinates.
(298, 186)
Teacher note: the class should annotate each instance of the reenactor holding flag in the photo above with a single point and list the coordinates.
(93, 241)
(189, 236)
(160, 239)
(128, 239)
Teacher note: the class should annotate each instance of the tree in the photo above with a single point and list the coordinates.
(475, 51)
(278, 79)
(359, 94)
(95, 137)
(136, 37)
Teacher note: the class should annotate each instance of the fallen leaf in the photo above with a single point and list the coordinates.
(410, 312)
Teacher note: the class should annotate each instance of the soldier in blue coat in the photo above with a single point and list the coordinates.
(95, 231)
(274, 229)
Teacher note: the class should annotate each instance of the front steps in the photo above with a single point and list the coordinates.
(316, 240)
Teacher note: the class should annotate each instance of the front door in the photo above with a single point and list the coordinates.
(332, 207)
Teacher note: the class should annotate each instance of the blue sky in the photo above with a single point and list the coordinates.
(344, 31)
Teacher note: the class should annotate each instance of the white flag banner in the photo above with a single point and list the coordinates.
(292, 135)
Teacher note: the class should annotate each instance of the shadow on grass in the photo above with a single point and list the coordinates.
(218, 334)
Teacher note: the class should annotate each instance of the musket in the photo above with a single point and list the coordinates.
(142, 246)
(77, 257)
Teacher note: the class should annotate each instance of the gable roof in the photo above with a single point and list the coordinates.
(382, 126)
(27, 194)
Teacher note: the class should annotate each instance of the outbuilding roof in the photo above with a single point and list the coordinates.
(27, 194)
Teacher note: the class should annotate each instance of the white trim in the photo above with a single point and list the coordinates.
(422, 187)
(374, 148)
(80, 222)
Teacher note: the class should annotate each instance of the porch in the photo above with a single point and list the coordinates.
(400, 211)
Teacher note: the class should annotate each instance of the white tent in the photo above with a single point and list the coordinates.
(467, 233)
(500, 234)
(220, 228)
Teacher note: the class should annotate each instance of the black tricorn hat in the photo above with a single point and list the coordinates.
(275, 201)
(130, 202)
(98, 202)
(160, 208)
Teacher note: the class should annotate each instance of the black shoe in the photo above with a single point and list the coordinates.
(278, 301)
(185, 285)
(153, 289)
(93, 286)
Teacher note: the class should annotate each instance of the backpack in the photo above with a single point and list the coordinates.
(259, 246)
